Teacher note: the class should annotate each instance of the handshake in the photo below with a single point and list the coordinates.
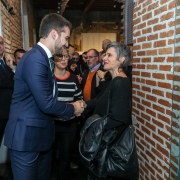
(79, 107)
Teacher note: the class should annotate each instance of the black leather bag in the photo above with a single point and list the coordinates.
(122, 160)
(99, 164)
(90, 138)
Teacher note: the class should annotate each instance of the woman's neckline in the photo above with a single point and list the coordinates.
(63, 78)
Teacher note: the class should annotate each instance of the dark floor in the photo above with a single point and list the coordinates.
(80, 174)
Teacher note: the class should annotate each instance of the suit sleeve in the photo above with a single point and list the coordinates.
(35, 72)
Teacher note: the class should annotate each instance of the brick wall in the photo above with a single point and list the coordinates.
(12, 25)
(153, 51)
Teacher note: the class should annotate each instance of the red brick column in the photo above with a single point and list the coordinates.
(153, 54)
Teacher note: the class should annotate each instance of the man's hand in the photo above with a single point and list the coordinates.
(9, 61)
(78, 107)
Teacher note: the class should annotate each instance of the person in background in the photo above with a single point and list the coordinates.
(116, 60)
(82, 64)
(75, 57)
(69, 90)
(71, 50)
(18, 53)
(105, 42)
(30, 129)
(6, 86)
(90, 80)
(72, 66)
(84, 57)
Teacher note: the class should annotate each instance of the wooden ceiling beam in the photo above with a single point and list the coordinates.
(88, 6)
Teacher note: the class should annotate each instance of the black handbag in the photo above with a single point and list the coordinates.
(90, 138)
(122, 160)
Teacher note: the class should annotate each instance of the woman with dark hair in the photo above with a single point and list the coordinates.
(116, 60)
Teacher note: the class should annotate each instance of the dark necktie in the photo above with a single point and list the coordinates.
(52, 71)
(2, 64)
(51, 65)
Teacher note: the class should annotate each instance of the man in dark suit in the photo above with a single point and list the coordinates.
(29, 133)
(6, 88)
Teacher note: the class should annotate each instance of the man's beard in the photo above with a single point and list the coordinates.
(58, 46)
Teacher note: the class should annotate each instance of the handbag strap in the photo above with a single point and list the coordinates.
(108, 101)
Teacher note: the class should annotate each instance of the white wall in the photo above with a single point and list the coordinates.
(94, 40)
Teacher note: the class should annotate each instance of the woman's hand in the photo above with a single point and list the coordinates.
(9, 60)
(84, 104)
(101, 74)
(79, 78)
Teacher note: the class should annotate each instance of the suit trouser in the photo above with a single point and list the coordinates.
(31, 165)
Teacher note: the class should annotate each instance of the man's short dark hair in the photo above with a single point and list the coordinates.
(53, 21)
(76, 53)
(19, 50)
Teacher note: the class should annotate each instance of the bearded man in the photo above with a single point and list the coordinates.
(29, 133)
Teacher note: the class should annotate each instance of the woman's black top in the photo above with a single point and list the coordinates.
(119, 114)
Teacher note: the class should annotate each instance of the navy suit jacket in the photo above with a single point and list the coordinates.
(31, 126)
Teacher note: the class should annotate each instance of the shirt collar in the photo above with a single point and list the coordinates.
(48, 52)
(95, 67)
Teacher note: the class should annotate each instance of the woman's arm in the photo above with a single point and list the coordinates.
(91, 104)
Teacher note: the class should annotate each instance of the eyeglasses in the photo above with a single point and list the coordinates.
(90, 57)
(63, 56)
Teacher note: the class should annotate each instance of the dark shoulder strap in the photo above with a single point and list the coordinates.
(108, 101)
